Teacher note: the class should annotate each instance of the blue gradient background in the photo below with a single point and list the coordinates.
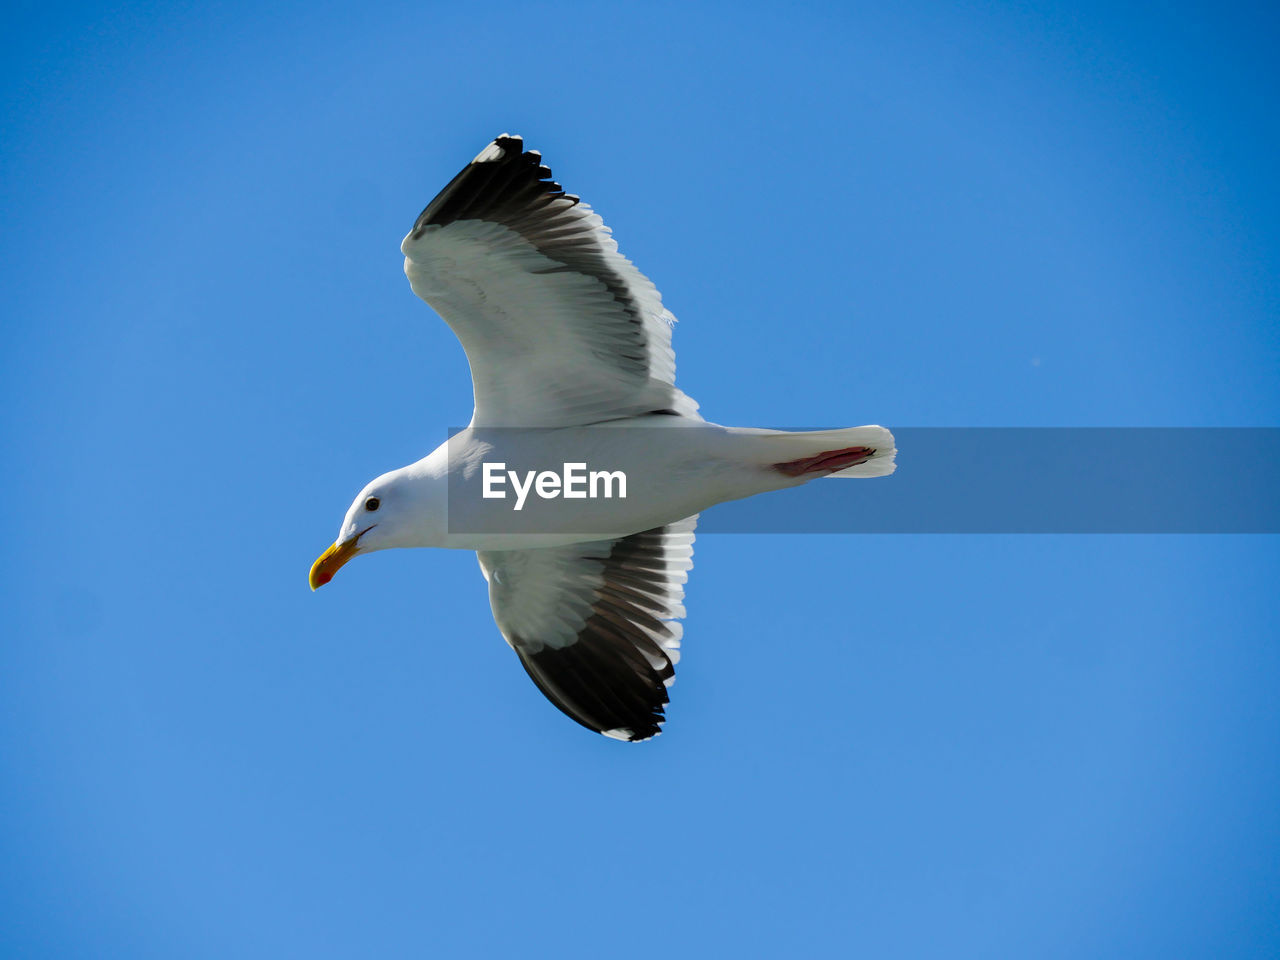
(906, 746)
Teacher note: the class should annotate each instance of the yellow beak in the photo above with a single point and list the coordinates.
(327, 565)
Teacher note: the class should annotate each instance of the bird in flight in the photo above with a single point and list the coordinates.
(572, 366)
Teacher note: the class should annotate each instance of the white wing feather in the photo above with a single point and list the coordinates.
(559, 328)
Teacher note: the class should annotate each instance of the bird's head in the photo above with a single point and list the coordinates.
(373, 522)
(403, 508)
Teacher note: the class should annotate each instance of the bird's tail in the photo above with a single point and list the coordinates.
(849, 452)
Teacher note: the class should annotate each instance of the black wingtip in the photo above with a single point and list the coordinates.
(500, 184)
(501, 148)
(605, 690)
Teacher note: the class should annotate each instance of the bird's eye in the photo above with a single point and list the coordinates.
(372, 504)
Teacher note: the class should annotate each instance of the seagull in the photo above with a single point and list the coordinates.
(572, 368)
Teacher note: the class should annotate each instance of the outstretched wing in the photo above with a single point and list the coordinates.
(595, 623)
(559, 328)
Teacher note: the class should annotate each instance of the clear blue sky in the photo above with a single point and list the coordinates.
(882, 746)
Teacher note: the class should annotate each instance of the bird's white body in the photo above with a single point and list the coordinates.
(674, 467)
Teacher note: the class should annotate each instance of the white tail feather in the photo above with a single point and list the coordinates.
(780, 446)
(881, 464)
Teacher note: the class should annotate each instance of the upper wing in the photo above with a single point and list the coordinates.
(595, 623)
(559, 328)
